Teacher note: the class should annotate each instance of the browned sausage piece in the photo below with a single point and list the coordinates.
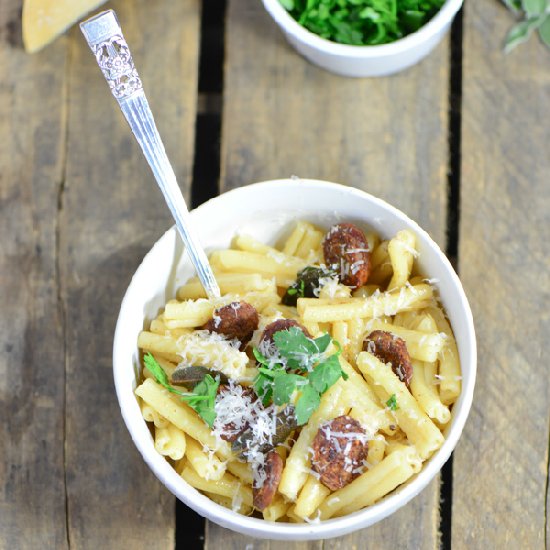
(390, 349)
(278, 325)
(230, 431)
(339, 451)
(268, 478)
(237, 320)
(346, 250)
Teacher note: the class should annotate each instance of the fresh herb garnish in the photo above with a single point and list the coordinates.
(203, 398)
(297, 289)
(362, 22)
(392, 402)
(307, 284)
(299, 363)
(534, 15)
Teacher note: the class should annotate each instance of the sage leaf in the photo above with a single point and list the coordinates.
(544, 31)
(533, 7)
(519, 34)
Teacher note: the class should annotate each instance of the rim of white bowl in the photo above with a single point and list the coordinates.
(287, 531)
(424, 33)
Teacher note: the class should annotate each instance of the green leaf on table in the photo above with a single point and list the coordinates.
(544, 31)
(519, 34)
(533, 7)
(513, 5)
(535, 15)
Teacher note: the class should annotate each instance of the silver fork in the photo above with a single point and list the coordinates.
(104, 36)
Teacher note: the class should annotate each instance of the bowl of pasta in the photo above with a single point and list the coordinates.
(329, 383)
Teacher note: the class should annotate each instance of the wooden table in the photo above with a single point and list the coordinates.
(460, 142)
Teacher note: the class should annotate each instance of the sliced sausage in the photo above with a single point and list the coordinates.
(346, 250)
(230, 431)
(339, 452)
(278, 325)
(389, 348)
(237, 321)
(267, 480)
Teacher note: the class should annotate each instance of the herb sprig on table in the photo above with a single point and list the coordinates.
(534, 15)
(203, 398)
(362, 22)
(302, 364)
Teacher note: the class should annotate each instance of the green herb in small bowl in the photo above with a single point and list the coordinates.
(361, 38)
(362, 22)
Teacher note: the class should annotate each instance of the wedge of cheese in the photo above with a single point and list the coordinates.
(44, 20)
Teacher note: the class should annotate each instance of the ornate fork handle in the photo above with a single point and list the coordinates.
(104, 36)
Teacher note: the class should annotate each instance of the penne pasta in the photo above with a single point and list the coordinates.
(402, 251)
(181, 415)
(291, 244)
(345, 309)
(297, 464)
(311, 496)
(420, 430)
(377, 448)
(302, 426)
(227, 486)
(170, 442)
(279, 266)
(276, 510)
(229, 283)
(204, 461)
(376, 482)
(449, 366)
(425, 392)
(421, 345)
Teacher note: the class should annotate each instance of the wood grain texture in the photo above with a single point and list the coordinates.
(501, 464)
(284, 116)
(32, 372)
(112, 212)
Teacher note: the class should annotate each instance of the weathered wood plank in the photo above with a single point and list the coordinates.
(501, 464)
(112, 214)
(283, 116)
(32, 371)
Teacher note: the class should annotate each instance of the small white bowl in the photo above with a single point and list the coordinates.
(361, 61)
(265, 211)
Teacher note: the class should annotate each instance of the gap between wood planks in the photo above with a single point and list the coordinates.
(189, 526)
(61, 298)
(451, 245)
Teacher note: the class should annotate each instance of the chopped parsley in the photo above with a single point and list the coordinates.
(203, 397)
(299, 363)
(391, 403)
(362, 22)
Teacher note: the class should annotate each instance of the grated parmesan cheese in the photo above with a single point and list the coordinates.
(212, 350)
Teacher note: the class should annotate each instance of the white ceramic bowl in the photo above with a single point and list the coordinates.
(360, 61)
(264, 210)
